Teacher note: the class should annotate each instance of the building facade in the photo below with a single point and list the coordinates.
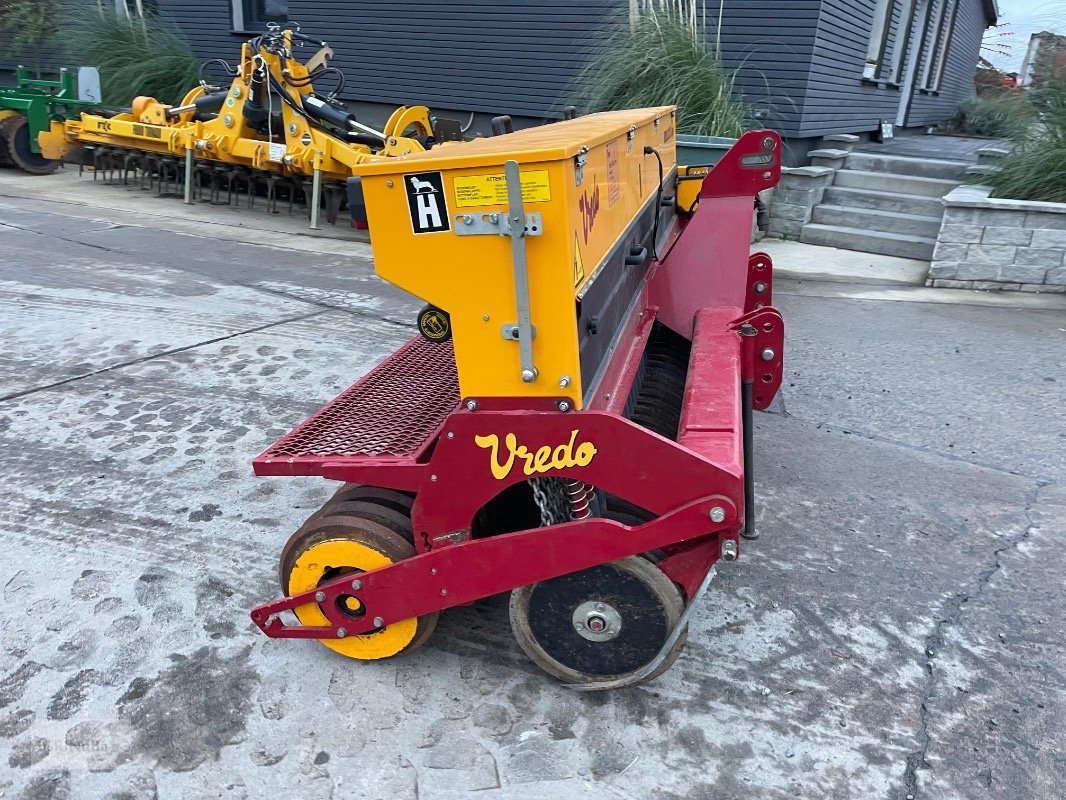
(808, 67)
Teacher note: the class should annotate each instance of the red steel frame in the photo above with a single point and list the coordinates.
(695, 486)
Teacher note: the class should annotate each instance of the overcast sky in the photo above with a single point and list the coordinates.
(1026, 17)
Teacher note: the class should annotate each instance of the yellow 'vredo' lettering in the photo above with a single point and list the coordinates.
(542, 460)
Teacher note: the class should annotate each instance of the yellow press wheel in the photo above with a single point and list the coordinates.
(330, 547)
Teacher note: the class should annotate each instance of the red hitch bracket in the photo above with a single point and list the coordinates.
(760, 288)
(763, 336)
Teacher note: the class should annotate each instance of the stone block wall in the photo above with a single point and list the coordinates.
(796, 195)
(987, 243)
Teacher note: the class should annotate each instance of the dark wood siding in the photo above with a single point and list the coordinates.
(516, 57)
(838, 99)
(770, 45)
(476, 55)
(207, 24)
(956, 86)
(798, 62)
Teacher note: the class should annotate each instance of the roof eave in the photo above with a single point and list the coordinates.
(991, 11)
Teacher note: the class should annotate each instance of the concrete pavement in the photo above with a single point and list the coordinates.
(894, 633)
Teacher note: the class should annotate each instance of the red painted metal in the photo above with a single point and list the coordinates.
(687, 563)
(751, 165)
(760, 282)
(403, 426)
(765, 362)
(629, 461)
(711, 413)
(707, 263)
(466, 572)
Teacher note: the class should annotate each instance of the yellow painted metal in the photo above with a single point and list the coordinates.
(298, 147)
(472, 277)
(689, 183)
(308, 571)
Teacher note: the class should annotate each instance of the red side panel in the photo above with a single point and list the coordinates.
(711, 415)
(708, 263)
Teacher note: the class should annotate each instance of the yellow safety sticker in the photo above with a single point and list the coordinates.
(579, 262)
(491, 190)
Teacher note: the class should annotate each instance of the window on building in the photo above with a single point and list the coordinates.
(875, 51)
(939, 39)
(902, 42)
(130, 8)
(255, 14)
(889, 36)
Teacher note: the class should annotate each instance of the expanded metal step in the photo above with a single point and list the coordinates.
(393, 410)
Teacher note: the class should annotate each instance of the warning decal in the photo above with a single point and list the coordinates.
(614, 182)
(491, 190)
(579, 262)
(426, 202)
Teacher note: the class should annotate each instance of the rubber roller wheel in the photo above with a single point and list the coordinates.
(5, 158)
(352, 514)
(330, 547)
(15, 132)
(600, 624)
(391, 498)
(383, 515)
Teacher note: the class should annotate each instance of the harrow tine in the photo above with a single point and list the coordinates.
(148, 171)
(128, 156)
(272, 195)
(334, 198)
(234, 182)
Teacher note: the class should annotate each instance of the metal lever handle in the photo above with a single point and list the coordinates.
(516, 215)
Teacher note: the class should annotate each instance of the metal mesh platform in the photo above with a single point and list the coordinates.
(393, 410)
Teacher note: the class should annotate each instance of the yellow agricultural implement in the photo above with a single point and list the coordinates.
(268, 131)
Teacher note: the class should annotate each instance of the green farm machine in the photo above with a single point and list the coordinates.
(32, 104)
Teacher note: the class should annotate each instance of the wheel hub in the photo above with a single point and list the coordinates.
(596, 621)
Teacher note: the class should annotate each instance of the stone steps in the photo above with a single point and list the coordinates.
(954, 171)
(867, 241)
(893, 184)
(877, 220)
(884, 201)
(868, 201)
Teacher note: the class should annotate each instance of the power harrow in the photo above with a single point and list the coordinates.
(28, 108)
(269, 133)
(573, 422)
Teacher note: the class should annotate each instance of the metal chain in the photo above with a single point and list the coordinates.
(552, 500)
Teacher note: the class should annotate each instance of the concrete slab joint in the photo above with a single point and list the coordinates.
(993, 243)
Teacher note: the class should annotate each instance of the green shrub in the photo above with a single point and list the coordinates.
(1002, 116)
(1036, 170)
(135, 56)
(661, 63)
(27, 27)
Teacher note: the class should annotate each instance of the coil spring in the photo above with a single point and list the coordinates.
(579, 494)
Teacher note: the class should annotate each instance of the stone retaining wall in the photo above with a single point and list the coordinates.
(796, 195)
(987, 243)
